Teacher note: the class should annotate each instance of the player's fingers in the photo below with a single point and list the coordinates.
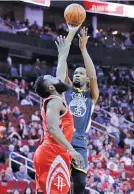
(79, 36)
(83, 30)
(58, 39)
(56, 44)
(61, 40)
(64, 40)
(82, 163)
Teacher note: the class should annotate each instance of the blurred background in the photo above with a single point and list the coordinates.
(28, 30)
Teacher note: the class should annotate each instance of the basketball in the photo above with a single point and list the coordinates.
(74, 14)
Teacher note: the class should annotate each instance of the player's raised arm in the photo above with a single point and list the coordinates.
(91, 72)
(63, 46)
(54, 108)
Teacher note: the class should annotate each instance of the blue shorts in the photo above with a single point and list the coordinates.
(83, 152)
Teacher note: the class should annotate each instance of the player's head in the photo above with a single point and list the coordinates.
(48, 85)
(80, 78)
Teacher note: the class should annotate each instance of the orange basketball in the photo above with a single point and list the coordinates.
(74, 14)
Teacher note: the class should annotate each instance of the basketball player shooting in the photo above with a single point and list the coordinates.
(52, 158)
(81, 98)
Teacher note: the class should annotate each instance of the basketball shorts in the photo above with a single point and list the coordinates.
(52, 170)
(83, 152)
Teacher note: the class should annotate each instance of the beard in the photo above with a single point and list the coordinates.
(61, 87)
(76, 84)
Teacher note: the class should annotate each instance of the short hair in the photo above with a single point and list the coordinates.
(41, 87)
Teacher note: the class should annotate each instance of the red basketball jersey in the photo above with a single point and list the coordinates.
(66, 123)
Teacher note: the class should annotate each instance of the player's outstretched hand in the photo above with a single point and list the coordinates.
(83, 38)
(78, 159)
(62, 46)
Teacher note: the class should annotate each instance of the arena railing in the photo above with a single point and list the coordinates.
(33, 96)
(101, 128)
(26, 161)
(129, 124)
(11, 85)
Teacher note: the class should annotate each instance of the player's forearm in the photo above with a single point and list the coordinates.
(61, 68)
(70, 36)
(60, 138)
(88, 64)
(62, 56)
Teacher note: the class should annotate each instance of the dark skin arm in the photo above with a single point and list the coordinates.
(54, 107)
(91, 72)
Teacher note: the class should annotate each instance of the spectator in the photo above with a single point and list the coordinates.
(128, 42)
(115, 127)
(129, 141)
(9, 61)
(26, 101)
(107, 177)
(116, 184)
(126, 159)
(23, 84)
(22, 174)
(34, 134)
(16, 112)
(9, 174)
(32, 147)
(11, 148)
(99, 188)
(34, 25)
(35, 116)
(13, 134)
(17, 25)
(23, 129)
(123, 177)
(14, 71)
(24, 150)
(112, 163)
(130, 116)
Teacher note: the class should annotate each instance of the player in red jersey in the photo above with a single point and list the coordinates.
(52, 158)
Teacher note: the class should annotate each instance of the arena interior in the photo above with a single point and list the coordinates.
(27, 50)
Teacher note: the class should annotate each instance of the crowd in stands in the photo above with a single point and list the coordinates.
(116, 88)
(111, 168)
(47, 32)
(110, 171)
(111, 154)
(50, 31)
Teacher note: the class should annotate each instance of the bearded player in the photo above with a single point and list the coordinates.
(52, 158)
(81, 99)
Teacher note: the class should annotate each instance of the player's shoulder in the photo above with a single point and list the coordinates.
(55, 102)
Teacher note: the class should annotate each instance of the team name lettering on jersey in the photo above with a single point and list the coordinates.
(77, 105)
